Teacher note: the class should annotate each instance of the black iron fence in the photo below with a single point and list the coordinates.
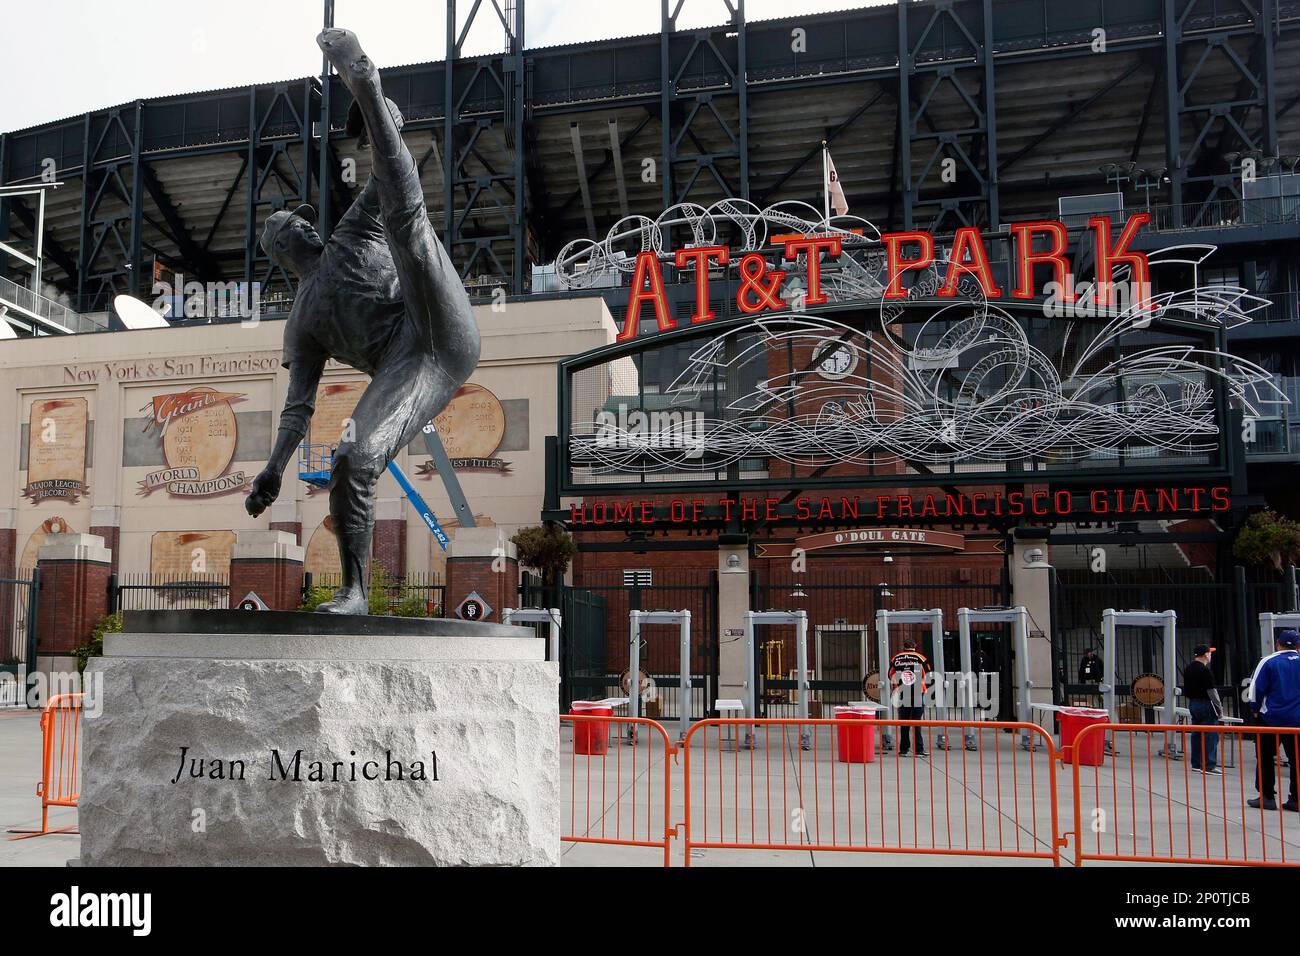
(19, 599)
(147, 591)
(1219, 613)
(415, 594)
(841, 604)
(595, 640)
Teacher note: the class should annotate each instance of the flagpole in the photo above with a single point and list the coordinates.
(826, 184)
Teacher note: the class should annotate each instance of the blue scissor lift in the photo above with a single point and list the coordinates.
(316, 461)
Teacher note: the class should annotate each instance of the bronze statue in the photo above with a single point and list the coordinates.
(381, 296)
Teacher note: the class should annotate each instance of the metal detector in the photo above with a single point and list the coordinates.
(884, 618)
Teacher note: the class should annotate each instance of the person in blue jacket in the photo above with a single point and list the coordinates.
(1274, 696)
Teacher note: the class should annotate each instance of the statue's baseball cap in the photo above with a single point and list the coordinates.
(279, 219)
(1289, 638)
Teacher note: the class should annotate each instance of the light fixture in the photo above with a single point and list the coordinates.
(798, 591)
(884, 590)
(888, 558)
(1035, 560)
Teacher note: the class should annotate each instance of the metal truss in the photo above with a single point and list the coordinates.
(945, 67)
(1203, 121)
(112, 207)
(699, 69)
(279, 119)
(485, 111)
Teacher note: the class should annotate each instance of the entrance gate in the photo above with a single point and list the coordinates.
(594, 648)
(841, 608)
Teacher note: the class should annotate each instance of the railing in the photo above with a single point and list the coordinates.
(1224, 213)
(790, 785)
(60, 761)
(50, 315)
(150, 592)
(1141, 807)
(416, 594)
(822, 786)
(612, 796)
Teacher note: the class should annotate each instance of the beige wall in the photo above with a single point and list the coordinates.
(120, 373)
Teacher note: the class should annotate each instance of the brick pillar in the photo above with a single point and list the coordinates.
(287, 516)
(268, 563)
(470, 570)
(74, 592)
(388, 543)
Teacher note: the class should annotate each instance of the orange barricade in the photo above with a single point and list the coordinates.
(619, 794)
(1139, 806)
(778, 785)
(60, 725)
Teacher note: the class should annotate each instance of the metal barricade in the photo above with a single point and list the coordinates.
(753, 784)
(60, 754)
(1139, 807)
(616, 785)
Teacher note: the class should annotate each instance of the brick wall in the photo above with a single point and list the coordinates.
(276, 582)
(389, 546)
(469, 574)
(112, 535)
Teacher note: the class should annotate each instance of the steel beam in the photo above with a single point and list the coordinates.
(472, 248)
(941, 206)
(326, 170)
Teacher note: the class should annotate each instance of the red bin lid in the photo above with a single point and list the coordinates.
(1084, 712)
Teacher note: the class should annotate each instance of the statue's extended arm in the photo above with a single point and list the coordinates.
(299, 404)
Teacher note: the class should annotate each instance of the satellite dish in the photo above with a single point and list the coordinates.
(136, 315)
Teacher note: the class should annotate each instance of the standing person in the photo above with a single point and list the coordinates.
(1203, 701)
(1090, 668)
(909, 673)
(1275, 697)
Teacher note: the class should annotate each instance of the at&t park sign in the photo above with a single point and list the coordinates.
(853, 359)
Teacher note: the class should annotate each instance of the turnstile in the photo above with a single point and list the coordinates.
(1167, 623)
(799, 619)
(683, 620)
(1018, 618)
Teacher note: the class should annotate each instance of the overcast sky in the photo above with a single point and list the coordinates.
(64, 57)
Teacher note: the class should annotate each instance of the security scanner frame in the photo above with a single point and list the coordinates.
(799, 619)
(884, 617)
(683, 620)
(550, 616)
(1018, 618)
(1269, 624)
(1167, 623)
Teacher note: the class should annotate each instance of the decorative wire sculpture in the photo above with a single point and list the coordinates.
(977, 391)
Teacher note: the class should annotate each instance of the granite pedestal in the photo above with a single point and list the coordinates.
(283, 738)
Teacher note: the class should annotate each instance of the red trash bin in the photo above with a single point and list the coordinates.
(855, 744)
(590, 736)
(1073, 720)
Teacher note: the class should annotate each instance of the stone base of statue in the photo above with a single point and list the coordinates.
(282, 738)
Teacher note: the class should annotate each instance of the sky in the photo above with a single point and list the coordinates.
(65, 57)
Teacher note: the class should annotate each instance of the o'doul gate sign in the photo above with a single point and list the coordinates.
(881, 537)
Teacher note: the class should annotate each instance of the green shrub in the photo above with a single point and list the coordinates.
(387, 597)
(109, 623)
(1268, 538)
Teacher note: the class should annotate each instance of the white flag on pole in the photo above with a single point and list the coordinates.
(834, 191)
